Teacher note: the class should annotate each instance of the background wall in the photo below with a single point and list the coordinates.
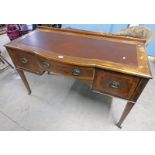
(108, 28)
(151, 46)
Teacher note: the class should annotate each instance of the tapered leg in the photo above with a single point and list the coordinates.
(126, 111)
(21, 73)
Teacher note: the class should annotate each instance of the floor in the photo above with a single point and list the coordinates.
(59, 103)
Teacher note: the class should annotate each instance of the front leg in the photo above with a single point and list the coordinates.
(126, 111)
(22, 75)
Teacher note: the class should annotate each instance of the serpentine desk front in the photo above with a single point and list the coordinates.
(110, 64)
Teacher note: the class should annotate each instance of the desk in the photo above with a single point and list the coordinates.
(109, 64)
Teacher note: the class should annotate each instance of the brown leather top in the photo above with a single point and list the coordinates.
(83, 47)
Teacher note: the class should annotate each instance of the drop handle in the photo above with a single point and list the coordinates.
(24, 60)
(76, 72)
(45, 64)
(115, 84)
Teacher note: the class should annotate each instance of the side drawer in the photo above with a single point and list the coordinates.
(85, 73)
(24, 60)
(115, 84)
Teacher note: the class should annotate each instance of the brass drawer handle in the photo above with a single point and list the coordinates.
(76, 72)
(114, 84)
(45, 64)
(24, 60)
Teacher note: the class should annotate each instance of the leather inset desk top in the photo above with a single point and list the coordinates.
(83, 47)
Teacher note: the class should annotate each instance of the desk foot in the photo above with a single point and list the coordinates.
(119, 125)
(22, 75)
(126, 111)
(29, 93)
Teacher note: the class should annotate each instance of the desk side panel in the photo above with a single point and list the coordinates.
(142, 84)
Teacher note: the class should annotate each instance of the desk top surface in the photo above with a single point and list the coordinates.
(86, 48)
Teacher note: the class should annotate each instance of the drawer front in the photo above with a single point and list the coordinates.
(67, 69)
(25, 60)
(115, 84)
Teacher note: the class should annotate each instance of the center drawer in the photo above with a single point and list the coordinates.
(85, 73)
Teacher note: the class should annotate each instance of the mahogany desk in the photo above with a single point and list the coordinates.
(110, 64)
